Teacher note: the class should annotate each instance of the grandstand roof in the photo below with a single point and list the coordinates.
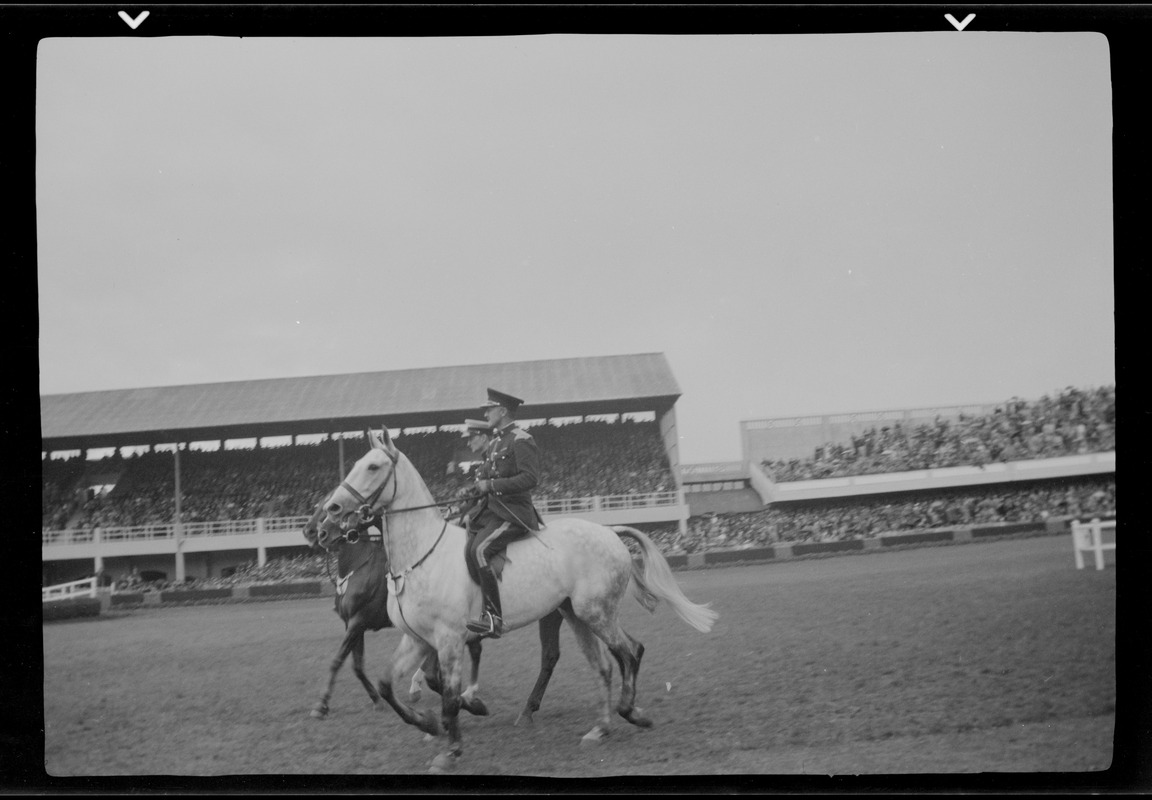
(330, 403)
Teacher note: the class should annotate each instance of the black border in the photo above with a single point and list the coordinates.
(23, 26)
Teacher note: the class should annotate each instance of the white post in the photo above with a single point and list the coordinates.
(1098, 542)
(1078, 543)
(261, 556)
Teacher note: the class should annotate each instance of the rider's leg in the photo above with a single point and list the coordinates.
(493, 539)
(492, 623)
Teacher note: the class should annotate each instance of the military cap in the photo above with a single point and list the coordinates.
(474, 426)
(496, 398)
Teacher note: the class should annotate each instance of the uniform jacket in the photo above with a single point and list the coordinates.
(473, 505)
(513, 465)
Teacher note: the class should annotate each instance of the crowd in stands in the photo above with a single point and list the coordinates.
(849, 519)
(1074, 421)
(590, 459)
(859, 518)
(59, 480)
(218, 485)
(290, 480)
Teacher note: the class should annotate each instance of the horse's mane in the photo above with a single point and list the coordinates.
(401, 456)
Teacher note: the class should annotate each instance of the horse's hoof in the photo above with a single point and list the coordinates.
(524, 719)
(415, 695)
(319, 713)
(637, 718)
(595, 736)
(380, 705)
(476, 707)
(429, 737)
(428, 724)
(445, 762)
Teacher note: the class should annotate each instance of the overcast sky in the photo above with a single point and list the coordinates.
(802, 224)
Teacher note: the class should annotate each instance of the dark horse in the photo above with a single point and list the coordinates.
(362, 602)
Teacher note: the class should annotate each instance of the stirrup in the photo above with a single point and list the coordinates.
(489, 625)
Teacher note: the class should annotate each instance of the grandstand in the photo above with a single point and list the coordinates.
(882, 452)
(179, 494)
(607, 430)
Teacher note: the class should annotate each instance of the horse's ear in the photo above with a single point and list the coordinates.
(381, 440)
(386, 439)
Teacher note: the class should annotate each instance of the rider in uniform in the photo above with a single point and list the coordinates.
(505, 510)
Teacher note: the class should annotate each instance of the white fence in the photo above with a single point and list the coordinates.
(67, 591)
(1088, 537)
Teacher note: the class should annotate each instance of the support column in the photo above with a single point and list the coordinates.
(261, 555)
(179, 557)
(178, 525)
(670, 434)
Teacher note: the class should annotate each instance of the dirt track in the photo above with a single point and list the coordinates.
(995, 657)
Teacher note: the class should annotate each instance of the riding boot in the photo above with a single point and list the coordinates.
(490, 622)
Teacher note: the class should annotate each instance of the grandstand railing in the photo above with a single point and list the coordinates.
(238, 527)
(140, 533)
(198, 530)
(282, 524)
(133, 533)
(612, 502)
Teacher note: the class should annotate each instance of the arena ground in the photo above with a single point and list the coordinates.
(996, 657)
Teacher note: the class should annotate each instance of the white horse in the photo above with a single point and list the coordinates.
(579, 567)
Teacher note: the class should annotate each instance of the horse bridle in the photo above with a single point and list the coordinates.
(366, 512)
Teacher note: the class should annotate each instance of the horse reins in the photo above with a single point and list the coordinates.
(366, 509)
(367, 512)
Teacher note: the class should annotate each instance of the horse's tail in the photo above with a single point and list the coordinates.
(653, 581)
